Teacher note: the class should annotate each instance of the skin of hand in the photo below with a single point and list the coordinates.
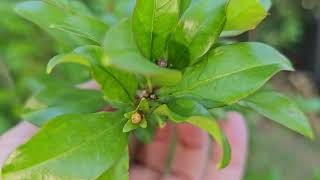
(192, 157)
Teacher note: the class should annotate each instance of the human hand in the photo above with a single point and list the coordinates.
(191, 159)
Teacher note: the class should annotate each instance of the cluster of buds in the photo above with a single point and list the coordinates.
(162, 63)
(146, 94)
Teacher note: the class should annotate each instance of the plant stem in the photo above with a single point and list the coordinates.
(149, 84)
(171, 153)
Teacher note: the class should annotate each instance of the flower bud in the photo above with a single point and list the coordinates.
(136, 118)
(162, 63)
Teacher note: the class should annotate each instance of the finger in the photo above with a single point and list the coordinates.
(133, 146)
(236, 132)
(191, 153)
(15, 137)
(143, 173)
(154, 155)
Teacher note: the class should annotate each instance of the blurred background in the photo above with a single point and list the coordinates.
(293, 27)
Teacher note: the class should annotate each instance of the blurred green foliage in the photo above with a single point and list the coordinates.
(285, 26)
(25, 50)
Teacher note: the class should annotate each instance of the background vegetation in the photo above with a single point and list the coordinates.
(293, 26)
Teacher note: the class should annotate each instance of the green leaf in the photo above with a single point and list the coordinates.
(279, 109)
(44, 15)
(5, 124)
(134, 63)
(84, 55)
(82, 155)
(119, 171)
(242, 16)
(197, 31)
(49, 15)
(53, 101)
(129, 126)
(153, 21)
(84, 26)
(119, 88)
(122, 53)
(186, 110)
(184, 5)
(214, 130)
(124, 85)
(228, 74)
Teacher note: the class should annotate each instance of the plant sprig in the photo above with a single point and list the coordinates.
(165, 63)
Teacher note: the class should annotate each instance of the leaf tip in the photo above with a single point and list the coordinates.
(125, 130)
(310, 134)
(50, 67)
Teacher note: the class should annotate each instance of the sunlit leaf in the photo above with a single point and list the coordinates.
(228, 74)
(197, 31)
(152, 23)
(279, 109)
(82, 155)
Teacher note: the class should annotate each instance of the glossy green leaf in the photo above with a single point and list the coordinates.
(5, 124)
(184, 5)
(53, 101)
(124, 85)
(129, 126)
(84, 26)
(44, 15)
(84, 55)
(186, 110)
(54, 19)
(279, 109)
(228, 74)
(152, 23)
(119, 88)
(212, 127)
(82, 155)
(197, 31)
(122, 53)
(243, 15)
(134, 63)
(119, 170)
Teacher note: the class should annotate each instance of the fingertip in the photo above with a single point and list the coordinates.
(235, 129)
(235, 126)
(191, 136)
